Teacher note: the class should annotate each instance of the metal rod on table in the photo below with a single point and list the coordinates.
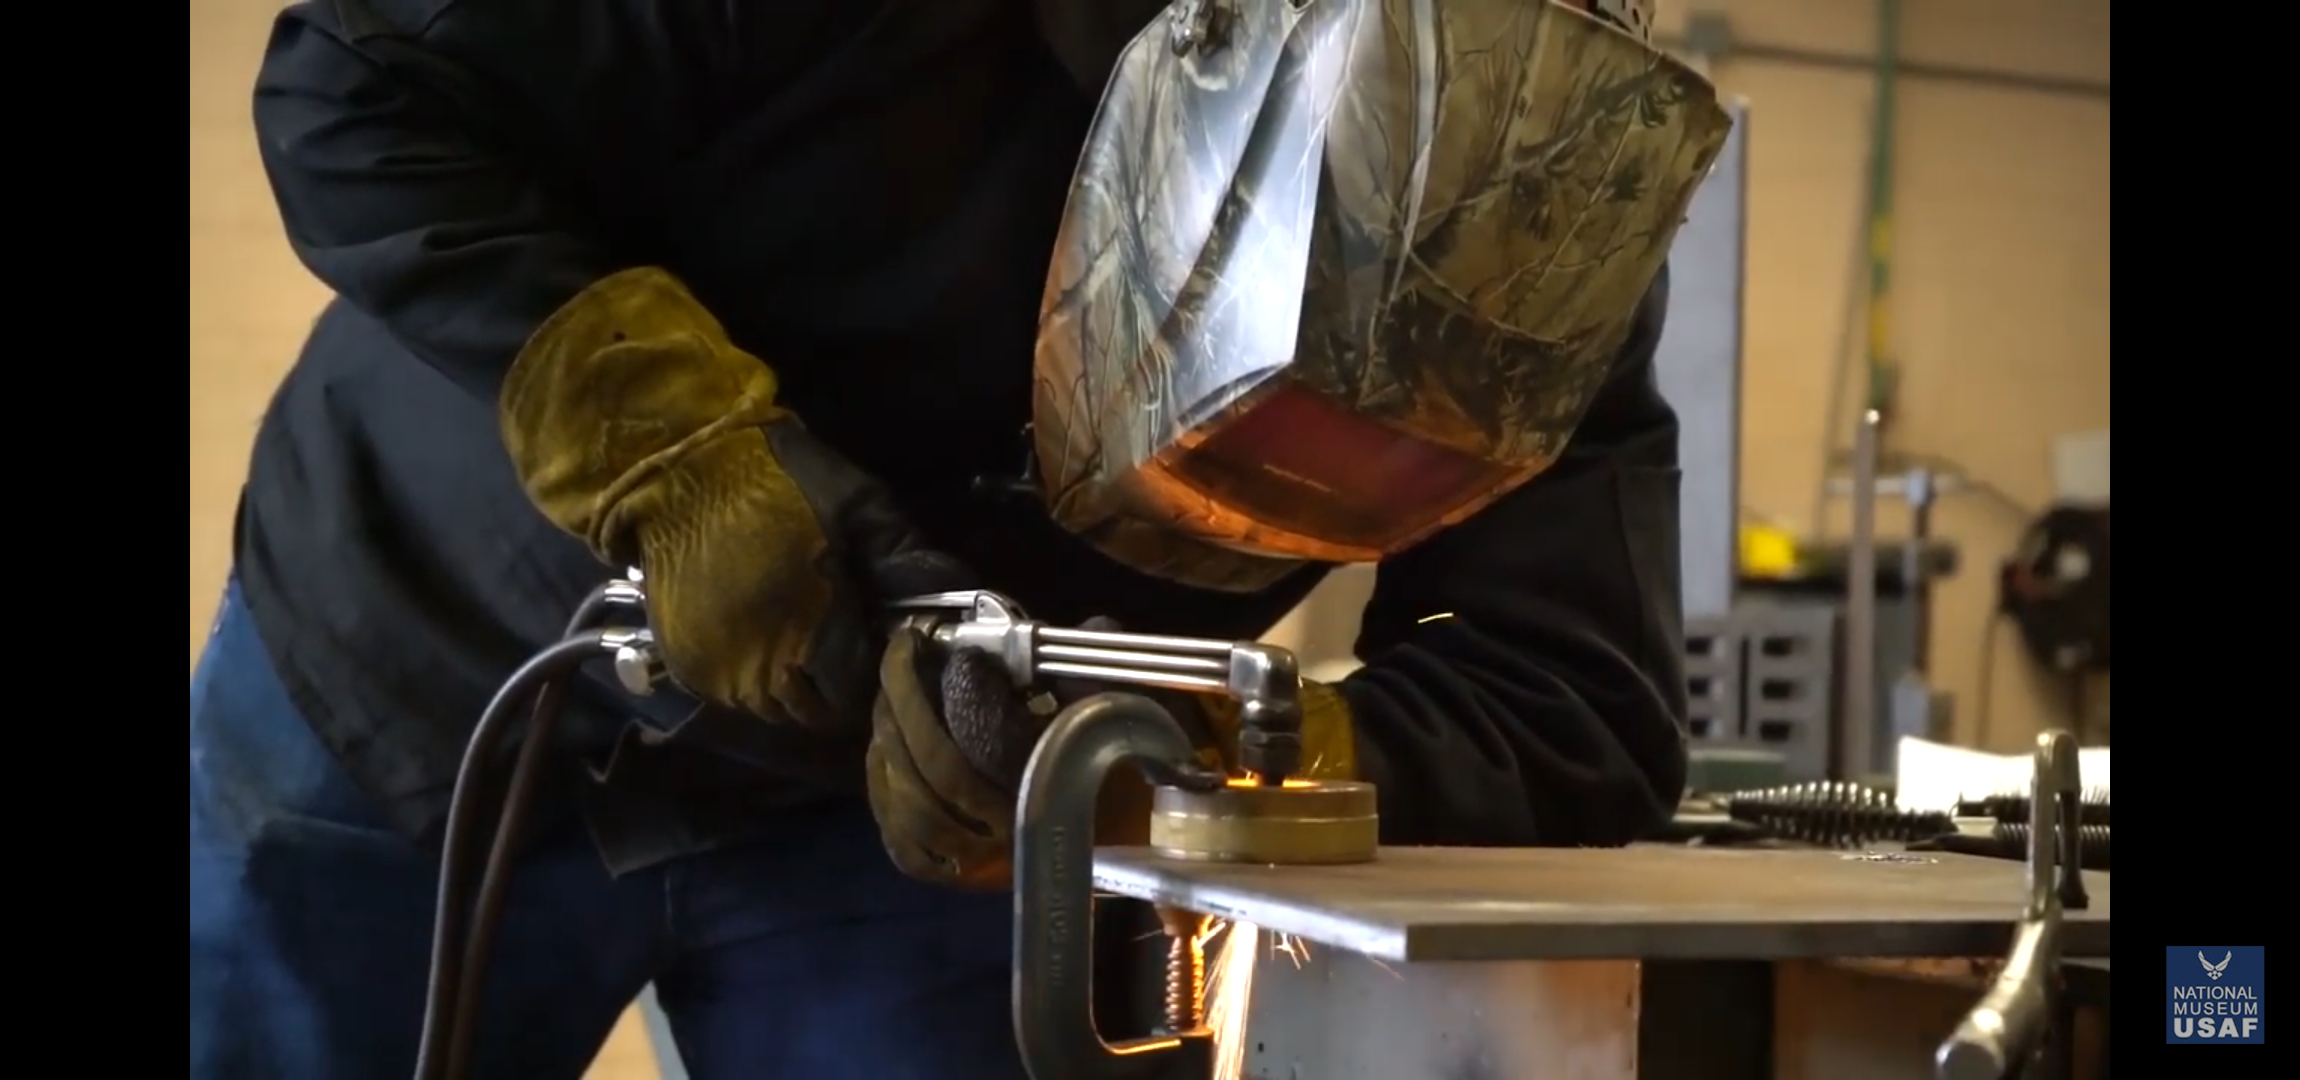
(1860, 726)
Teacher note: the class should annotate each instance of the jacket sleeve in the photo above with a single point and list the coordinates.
(386, 129)
(1524, 680)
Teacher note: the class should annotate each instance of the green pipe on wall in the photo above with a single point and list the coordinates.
(1883, 374)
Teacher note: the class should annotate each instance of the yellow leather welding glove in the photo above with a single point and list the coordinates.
(636, 425)
(1329, 738)
(950, 736)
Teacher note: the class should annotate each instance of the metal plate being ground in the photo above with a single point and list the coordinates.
(1481, 904)
(1334, 1015)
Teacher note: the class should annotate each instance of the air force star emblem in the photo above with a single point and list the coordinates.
(2212, 970)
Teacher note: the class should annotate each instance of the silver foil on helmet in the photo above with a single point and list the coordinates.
(1439, 215)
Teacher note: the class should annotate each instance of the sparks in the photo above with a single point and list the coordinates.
(1236, 950)
(1229, 987)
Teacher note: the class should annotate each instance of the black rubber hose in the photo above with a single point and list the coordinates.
(440, 1005)
(510, 836)
(495, 883)
(591, 611)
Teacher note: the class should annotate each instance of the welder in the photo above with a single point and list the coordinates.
(803, 307)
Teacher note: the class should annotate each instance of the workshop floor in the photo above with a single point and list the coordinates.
(250, 305)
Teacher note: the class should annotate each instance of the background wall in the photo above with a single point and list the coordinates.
(2000, 284)
(251, 302)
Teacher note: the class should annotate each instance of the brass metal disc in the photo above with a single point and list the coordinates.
(1314, 822)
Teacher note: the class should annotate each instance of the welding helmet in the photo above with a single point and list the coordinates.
(1335, 274)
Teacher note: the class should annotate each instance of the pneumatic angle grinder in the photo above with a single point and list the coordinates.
(1265, 815)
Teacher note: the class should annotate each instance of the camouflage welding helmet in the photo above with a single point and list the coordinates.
(1336, 274)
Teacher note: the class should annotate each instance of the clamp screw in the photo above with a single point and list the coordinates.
(1185, 969)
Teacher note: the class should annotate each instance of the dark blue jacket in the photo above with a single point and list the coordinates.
(866, 193)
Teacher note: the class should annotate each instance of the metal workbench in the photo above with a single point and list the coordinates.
(1651, 962)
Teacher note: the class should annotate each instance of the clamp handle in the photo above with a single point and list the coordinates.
(1054, 890)
(2011, 1021)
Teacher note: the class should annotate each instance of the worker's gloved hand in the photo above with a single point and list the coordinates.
(950, 736)
(1329, 737)
(638, 426)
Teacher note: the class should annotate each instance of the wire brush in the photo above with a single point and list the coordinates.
(2014, 835)
(2013, 807)
(1835, 814)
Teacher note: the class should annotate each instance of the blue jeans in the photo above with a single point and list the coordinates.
(805, 956)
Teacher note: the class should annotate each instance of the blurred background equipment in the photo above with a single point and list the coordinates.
(1699, 368)
(2055, 588)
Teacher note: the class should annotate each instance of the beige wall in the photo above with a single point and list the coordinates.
(250, 301)
(2001, 278)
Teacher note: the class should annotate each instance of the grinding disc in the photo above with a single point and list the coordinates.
(1301, 822)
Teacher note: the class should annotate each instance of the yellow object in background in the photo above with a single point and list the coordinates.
(1767, 551)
